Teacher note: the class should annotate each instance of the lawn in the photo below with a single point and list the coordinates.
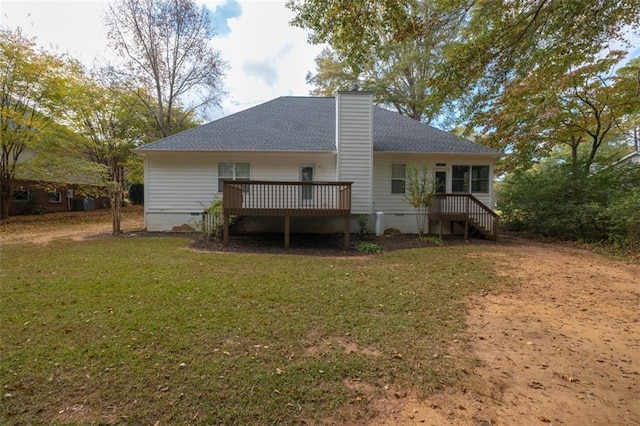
(143, 330)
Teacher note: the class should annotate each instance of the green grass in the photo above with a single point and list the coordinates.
(142, 330)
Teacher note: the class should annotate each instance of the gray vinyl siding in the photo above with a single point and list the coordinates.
(354, 140)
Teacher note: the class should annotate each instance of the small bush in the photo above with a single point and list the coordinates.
(136, 193)
(363, 225)
(433, 240)
(211, 223)
(369, 248)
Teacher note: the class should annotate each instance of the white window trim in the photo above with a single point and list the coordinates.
(402, 179)
(59, 197)
(233, 168)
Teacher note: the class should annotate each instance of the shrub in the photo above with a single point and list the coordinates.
(420, 190)
(136, 193)
(556, 201)
(369, 248)
(363, 225)
(211, 224)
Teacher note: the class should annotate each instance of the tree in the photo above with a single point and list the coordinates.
(33, 85)
(491, 44)
(506, 41)
(331, 75)
(405, 80)
(420, 192)
(407, 74)
(630, 123)
(550, 199)
(583, 109)
(107, 118)
(167, 56)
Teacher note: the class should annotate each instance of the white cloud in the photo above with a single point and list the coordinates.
(71, 27)
(268, 57)
(221, 15)
(263, 70)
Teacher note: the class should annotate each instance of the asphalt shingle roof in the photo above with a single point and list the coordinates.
(308, 124)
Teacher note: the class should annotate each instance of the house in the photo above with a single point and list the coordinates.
(31, 197)
(629, 159)
(319, 163)
(57, 191)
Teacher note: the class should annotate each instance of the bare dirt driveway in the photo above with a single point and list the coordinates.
(561, 347)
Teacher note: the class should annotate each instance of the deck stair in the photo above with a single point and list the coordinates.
(468, 211)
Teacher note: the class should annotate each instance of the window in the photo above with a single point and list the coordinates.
(21, 195)
(233, 171)
(54, 197)
(475, 178)
(398, 178)
(460, 179)
(480, 179)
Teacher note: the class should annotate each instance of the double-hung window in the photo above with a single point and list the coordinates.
(233, 171)
(398, 178)
(470, 179)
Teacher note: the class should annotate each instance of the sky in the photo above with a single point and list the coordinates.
(267, 57)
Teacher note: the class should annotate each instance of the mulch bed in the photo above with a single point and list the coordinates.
(322, 244)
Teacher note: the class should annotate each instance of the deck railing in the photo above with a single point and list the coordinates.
(467, 208)
(286, 199)
(268, 198)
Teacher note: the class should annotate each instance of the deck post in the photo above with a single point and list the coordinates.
(440, 228)
(347, 232)
(466, 231)
(286, 230)
(225, 231)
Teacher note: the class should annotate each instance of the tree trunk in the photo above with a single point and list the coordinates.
(5, 200)
(115, 198)
(6, 195)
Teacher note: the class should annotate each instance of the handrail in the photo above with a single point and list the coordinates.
(275, 198)
(466, 208)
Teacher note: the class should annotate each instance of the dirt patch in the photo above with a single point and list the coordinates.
(348, 346)
(80, 225)
(563, 347)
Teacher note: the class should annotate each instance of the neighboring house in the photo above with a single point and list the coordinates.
(30, 197)
(632, 158)
(57, 191)
(319, 163)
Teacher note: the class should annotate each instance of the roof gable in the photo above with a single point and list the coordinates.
(307, 124)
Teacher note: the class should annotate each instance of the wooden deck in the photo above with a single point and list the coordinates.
(468, 209)
(286, 199)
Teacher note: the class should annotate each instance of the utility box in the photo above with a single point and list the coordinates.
(379, 224)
